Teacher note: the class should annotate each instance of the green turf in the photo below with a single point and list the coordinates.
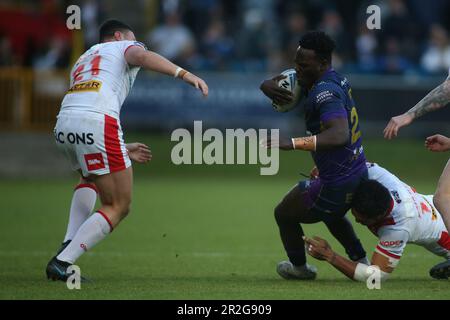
(199, 233)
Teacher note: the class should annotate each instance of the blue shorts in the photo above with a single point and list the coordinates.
(329, 202)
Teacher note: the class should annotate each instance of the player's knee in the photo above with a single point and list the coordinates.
(281, 214)
(120, 206)
(439, 200)
(125, 207)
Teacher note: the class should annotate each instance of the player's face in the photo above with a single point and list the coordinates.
(307, 66)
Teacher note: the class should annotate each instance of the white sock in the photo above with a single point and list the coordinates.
(83, 202)
(91, 232)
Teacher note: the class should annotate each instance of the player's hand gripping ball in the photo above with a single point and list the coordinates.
(289, 83)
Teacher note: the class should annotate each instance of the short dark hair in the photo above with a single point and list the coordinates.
(109, 27)
(320, 43)
(371, 199)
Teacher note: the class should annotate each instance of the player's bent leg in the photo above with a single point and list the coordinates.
(441, 198)
(115, 192)
(289, 213)
(82, 205)
(332, 203)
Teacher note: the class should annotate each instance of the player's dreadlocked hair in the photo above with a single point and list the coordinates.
(108, 28)
(371, 199)
(320, 43)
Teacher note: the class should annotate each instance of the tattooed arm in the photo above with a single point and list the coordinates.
(436, 99)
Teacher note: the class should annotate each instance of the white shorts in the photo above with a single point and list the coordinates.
(92, 142)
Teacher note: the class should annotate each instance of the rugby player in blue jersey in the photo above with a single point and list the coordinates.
(334, 140)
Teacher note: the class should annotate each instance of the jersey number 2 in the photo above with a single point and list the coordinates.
(356, 134)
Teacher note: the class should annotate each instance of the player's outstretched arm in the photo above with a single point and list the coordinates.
(436, 99)
(138, 56)
(139, 152)
(321, 250)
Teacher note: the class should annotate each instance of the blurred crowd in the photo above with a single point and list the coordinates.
(243, 35)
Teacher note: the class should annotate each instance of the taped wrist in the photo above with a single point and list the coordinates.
(363, 272)
(180, 73)
(305, 143)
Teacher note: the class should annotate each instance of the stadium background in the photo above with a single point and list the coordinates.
(207, 231)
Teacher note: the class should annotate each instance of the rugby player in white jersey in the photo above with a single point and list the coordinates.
(88, 132)
(438, 98)
(397, 215)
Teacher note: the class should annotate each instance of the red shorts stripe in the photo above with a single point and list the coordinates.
(444, 241)
(107, 220)
(86, 185)
(114, 153)
(389, 254)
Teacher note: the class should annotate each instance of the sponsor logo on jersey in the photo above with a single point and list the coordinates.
(396, 196)
(324, 96)
(426, 209)
(91, 85)
(396, 243)
(94, 161)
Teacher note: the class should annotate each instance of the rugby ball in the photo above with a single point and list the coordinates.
(289, 83)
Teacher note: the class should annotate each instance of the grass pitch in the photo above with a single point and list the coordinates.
(198, 232)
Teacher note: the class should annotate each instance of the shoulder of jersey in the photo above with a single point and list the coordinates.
(138, 43)
(329, 85)
(124, 42)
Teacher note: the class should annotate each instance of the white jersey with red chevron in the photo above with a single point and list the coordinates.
(413, 219)
(101, 79)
